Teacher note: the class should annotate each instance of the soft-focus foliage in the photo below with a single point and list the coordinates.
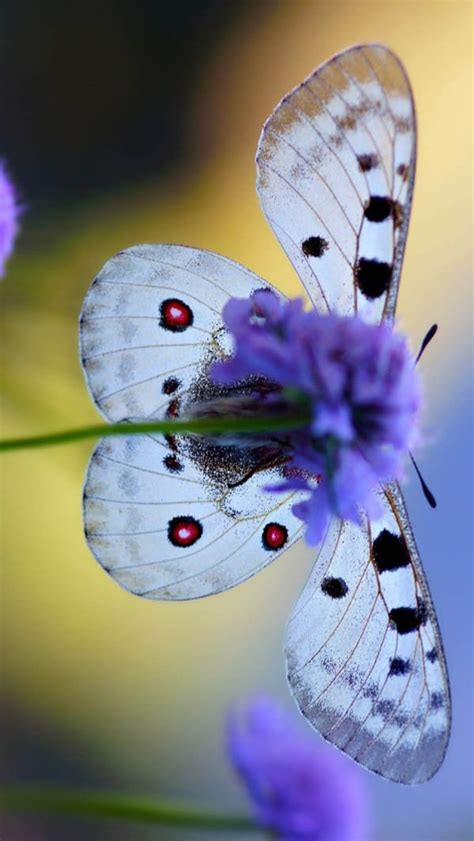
(300, 789)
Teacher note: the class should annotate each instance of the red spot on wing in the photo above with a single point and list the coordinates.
(175, 315)
(184, 531)
(274, 536)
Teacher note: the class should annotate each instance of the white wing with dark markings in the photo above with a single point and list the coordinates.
(335, 173)
(166, 515)
(364, 653)
(174, 534)
(148, 321)
(336, 166)
(180, 518)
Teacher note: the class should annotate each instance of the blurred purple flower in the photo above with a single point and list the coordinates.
(8, 218)
(360, 385)
(300, 790)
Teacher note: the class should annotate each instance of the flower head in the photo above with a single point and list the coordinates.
(300, 790)
(8, 218)
(362, 390)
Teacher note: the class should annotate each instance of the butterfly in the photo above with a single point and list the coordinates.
(173, 517)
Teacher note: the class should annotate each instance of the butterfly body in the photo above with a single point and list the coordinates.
(175, 517)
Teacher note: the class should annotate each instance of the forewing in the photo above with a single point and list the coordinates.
(365, 657)
(335, 173)
(171, 517)
(148, 321)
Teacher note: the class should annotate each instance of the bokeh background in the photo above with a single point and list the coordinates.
(127, 122)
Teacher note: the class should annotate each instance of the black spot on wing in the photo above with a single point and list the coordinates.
(314, 247)
(390, 551)
(378, 208)
(399, 666)
(406, 620)
(432, 655)
(368, 162)
(170, 385)
(372, 277)
(336, 588)
(172, 464)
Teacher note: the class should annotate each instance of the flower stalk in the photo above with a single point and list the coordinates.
(197, 426)
(120, 806)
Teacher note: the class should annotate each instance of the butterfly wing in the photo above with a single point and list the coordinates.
(162, 529)
(148, 321)
(364, 654)
(336, 167)
(171, 517)
(335, 173)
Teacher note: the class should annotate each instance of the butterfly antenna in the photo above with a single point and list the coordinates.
(430, 335)
(429, 496)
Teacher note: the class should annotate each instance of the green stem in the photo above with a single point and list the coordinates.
(120, 807)
(202, 426)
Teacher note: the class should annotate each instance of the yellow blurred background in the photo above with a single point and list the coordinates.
(138, 689)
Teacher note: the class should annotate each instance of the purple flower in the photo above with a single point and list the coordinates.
(360, 385)
(8, 218)
(300, 789)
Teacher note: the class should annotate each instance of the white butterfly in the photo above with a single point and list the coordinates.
(178, 518)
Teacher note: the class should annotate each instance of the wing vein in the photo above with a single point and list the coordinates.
(293, 189)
